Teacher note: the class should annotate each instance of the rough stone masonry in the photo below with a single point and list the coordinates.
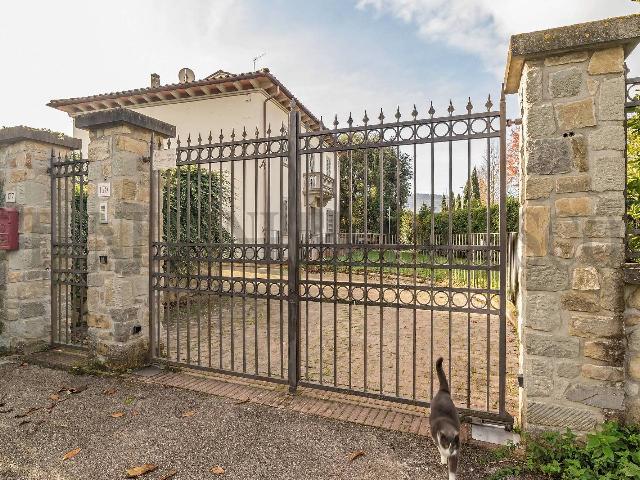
(118, 260)
(571, 83)
(25, 302)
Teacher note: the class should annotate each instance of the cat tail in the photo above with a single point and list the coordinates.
(444, 385)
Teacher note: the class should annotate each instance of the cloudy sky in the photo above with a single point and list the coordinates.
(335, 55)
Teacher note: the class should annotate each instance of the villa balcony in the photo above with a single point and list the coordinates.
(319, 188)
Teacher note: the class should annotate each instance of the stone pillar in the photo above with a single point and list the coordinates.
(118, 278)
(572, 93)
(25, 300)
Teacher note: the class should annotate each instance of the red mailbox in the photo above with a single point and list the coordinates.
(8, 229)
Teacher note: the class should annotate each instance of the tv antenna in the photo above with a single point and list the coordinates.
(256, 58)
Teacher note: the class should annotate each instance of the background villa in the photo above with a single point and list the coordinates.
(220, 104)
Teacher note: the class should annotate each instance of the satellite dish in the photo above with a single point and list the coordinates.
(186, 75)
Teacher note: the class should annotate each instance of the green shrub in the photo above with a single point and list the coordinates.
(611, 453)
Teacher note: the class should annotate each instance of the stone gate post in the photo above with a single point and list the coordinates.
(572, 93)
(25, 301)
(118, 236)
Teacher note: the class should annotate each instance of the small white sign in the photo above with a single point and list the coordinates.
(163, 159)
(10, 197)
(104, 189)
(104, 217)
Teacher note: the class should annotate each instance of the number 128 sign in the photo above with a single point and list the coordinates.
(104, 189)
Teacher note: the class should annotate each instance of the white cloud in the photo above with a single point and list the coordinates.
(73, 48)
(483, 27)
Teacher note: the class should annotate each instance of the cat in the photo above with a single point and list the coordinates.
(445, 424)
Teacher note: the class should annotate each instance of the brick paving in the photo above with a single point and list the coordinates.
(332, 405)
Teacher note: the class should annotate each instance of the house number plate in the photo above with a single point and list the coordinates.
(104, 189)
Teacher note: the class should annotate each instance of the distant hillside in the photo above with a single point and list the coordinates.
(422, 199)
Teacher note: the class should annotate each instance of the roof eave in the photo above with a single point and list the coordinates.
(200, 88)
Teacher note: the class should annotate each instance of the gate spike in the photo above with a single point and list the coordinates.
(398, 114)
(169, 143)
(489, 103)
(450, 109)
(431, 109)
(210, 136)
(469, 105)
(189, 140)
(381, 116)
(221, 137)
(199, 139)
(257, 132)
(350, 120)
(282, 129)
(178, 141)
(335, 122)
(414, 113)
(322, 127)
(269, 130)
(244, 132)
(365, 119)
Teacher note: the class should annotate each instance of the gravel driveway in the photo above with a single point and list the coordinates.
(189, 433)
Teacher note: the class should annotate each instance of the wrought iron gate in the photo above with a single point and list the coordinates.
(289, 256)
(69, 249)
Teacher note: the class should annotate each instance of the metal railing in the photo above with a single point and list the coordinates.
(632, 157)
(69, 224)
(363, 318)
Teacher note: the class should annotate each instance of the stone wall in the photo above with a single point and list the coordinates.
(572, 197)
(118, 261)
(25, 305)
(118, 290)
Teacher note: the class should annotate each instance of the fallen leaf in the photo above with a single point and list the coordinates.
(72, 453)
(55, 397)
(70, 390)
(55, 404)
(117, 414)
(110, 391)
(28, 412)
(140, 470)
(217, 470)
(170, 474)
(135, 413)
(24, 364)
(189, 413)
(356, 454)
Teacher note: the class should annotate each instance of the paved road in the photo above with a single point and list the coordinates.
(189, 432)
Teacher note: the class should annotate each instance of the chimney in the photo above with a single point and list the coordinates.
(155, 80)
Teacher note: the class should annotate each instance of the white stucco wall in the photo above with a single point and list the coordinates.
(227, 112)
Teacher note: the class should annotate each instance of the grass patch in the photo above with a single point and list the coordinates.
(610, 453)
(95, 368)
